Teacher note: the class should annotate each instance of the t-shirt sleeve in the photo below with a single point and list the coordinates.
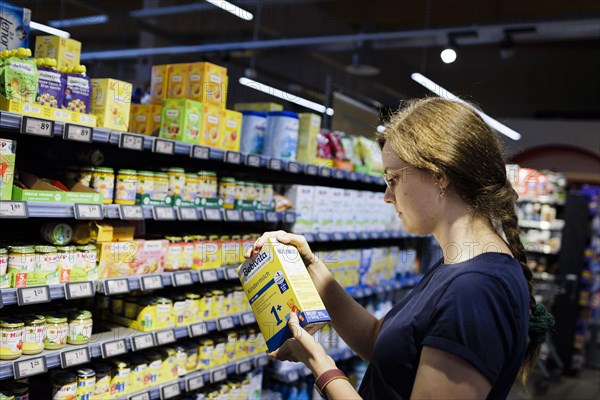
(474, 320)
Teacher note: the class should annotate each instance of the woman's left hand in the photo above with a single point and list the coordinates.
(304, 348)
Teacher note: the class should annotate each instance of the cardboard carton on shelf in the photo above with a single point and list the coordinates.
(181, 120)
(8, 149)
(15, 26)
(111, 100)
(207, 82)
(66, 51)
(45, 112)
(41, 191)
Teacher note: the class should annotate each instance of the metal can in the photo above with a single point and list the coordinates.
(103, 377)
(57, 329)
(191, 188)
(11, 338)
(46, 259)
(3, 260)
(57, 234)
(176, 181)
(126, 187)
(145, 189)
(119, 383)
(86, 383)
(161, 187)
(103, 182)
(21, 259)
(34, 334)
(80, 327)
(227, 192)
(64, 386)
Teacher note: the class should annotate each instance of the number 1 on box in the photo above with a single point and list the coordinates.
(274, 312)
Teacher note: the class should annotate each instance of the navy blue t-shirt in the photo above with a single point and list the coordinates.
(477, 310)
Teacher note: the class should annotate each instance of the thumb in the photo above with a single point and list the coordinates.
(297, 331)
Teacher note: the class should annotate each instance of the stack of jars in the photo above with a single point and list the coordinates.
(226, 348)
(233, 191)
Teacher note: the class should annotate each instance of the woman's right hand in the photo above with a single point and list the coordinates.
(298, 241)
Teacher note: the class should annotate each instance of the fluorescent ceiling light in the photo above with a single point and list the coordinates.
(232, 8)
(90, 20)
(261, 87)
(48, 29)
(380, 128)
(440, 91)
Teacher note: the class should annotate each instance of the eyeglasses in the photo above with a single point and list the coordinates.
(391, 182)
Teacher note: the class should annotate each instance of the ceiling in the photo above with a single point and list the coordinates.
(552, 69)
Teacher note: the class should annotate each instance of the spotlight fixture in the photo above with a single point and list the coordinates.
(448, 55)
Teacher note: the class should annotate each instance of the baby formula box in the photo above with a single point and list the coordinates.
(281, 135)
(277, 283)
(253, 131)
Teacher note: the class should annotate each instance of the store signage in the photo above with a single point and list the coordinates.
(79, 290)
(170, 391)
(165, 337)
(140, 396)
(162, 146)
(33, 295)
(131, 142)
(212, 214)
(271, 216)
(289, 217)
(338, 174)
(200, 152)
(352, 176)
(351, 236)
(131, 212)
(248, 318)
(78, 133)
(88, 211)
(249, 215)
(311, 170)
(74, 357)
(225, 323)
(198, 329)
(194, 383)
(243, 367)
(325, 172)
(274, 164)
(13, 209)
(37, 126)
(151, 282)
(218, 375)
(230, 273)
(232, 215)
(209, 275)
(261, 361)
(293, 167)
(27, 368)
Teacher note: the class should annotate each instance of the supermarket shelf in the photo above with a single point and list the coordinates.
(282, 371)
(544, 276)
(555, 225)
(364, 235)
(384, 286)
(551, 200)
(537, 248)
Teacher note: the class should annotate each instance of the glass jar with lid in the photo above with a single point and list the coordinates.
(161, 187)
(86, 257)
(64, 386)
(164, 308)
(180, 360)
(139, 371)
(21, 259)
(19, 390)
(103, 377)
(168, 370)
(205, 354)
(208, 184)
(154, 360)
(193, 307)
(191, 188)
(80, 327)
(11, 338)
(6, 394)
(86, 383)
(173, 258)
(57, 329)
(191, 350)
(119, 383)
(3, 260)
(126, 187)
(67, 257)
(227, 192)
(34, 334)
(145, 189)
(46, 259)
(103, 182)
(176, 181)
(240, 190)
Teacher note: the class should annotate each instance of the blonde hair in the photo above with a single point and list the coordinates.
(450, 139)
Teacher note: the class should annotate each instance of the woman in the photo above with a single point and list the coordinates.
(462, 331)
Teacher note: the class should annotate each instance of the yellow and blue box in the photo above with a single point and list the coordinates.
(277, 283)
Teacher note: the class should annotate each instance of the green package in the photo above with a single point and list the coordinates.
(19, 79)
(8, 149)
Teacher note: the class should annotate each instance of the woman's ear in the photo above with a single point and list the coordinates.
(442, 181)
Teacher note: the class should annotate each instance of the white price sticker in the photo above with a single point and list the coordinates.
(232, 215)
(140, 396)
(170, 391)
(194, 383)
(164, 337)
(188, 214)
(164, 213)
(198, 329)
(249, 215)
(141, 342)
(289, 217)
(74, 357)
(311, 170)
(131, 142)
(218, 375)
(233, 157)
(338, 174)
(293, 167)
(209, 275)
(243, 367)
(248, 318)
(33, 366)
(79, 290)
(351, 236)
(182, 279)
(352, 176)
(88, 211)
(13, 209)
(261, 361)
(230, 273)
(271, 216)
(212, 214)
(131, 212)
(33, 295)
(252, 160)
(151, 282)
(337, 236)
(78, 133)
(115, 348)
(163, 146)
(322, 237)
(325, 172)
(200, 153)
(36, 126)
(275, 164)
(116, 286)
(225, 323)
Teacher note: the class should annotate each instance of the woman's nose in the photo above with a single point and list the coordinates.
(388, 196)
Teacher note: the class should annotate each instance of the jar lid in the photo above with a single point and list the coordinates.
(66, 249)
(137, 359)
(65, 377)
(207, 293)
(87, 247)
(217, 292)
(180, 348)
(101, 368)
(21, 249)
(153, 355)
(192, 296)
(252, 184)
(207, 342)
(191, 175)
(3, 250)
(207, 173)
(104, 170)
(178, 297)
(167, 352)
(228, 179)
(163, 300)
(33, 319)
(82, 314)
(120, 363)
(6, 395)
(45, 249)
(128, 172)
(241, 183)
(9, 322)
(56, 319)
(86, 373)
(145, 173)
(176, 170)
(161, 175)
(17, 387)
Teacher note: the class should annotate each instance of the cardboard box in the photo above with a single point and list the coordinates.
(231, 130)
(302, 199)
(181, 120)
(117, 259)
(45, 112)
(338, 218)
(8, 152)
(308, 129)
(158, 83)
(66, 51)
(264, 107)
(19, 79)
(145, 119)
(177, 81)
(212, 125)
(111, 101)
(207, 82)
(42, 191)
(15, 26)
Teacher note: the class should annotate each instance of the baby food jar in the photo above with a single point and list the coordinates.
(103, 377)
(187, 252)
(103, 182)
(145, 188)
(46, 258)
(154, 360)
(6, 394)
(164, 308)
(86, 257)
(117, 305)
(127, 185)
(217, 303)
(86, 383)
(3, 260)
(80, 327)
(130, 308)
(173, 258)
(34, 334)
(179, 309)
(227, 192)
(207, 348)
(21, 259)
(191, 350)
(208, 184)
(180, 360)
(168, 369)
(192, 183)
(139, 372)
(57, 329)
(19, 390)
(176, 181)
(57, 234)
(67, 257)
(64, 386)
(193, 307)
(240, 190)
(119, 383)
(161, 187)
(11, 338)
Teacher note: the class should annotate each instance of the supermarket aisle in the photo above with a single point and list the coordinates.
(586, 385)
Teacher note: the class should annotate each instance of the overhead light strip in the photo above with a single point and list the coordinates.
(261, 87)
(233, 9)
(48, 29)
(440, 91)
(70, 22)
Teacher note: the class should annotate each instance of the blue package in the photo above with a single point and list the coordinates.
(14, 26)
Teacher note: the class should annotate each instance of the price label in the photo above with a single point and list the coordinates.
(248, 318)
(161, 213)
(243, 367)
(364, 236)
(230, 273)
(79, 290)
(311, 170)
(271, 216)
(233, 157)
(74, 357)
(194, 383)
(309, 237)
(352, 176)
(116, 286)
(209, 275)
(131, 212)
(379, 290)
(164, 337)
(141, 342)
(322, 237)
(351, 236)
(225, 323)
(13, 209)
(293, 167)
(140, 396)
(198, 329)
(274, 164)
(325, 172)
(291, 376)
(338, 174)
(170, 391)
(33, 366)
(212, 214)
(36, 126)
(375, 235)
(200, 153)
(182, 279)
(218, 375)
(187, 214)
(112, 349)
(385, 235)
(232, 215)
(33, 295)
(367, 179)
(78, 133)
(262, 361)
(252, 160)
(88, 211)
(289, 217)
(161, 146)
(337, 236)
(131, 142)
(249, 215)
(151, 282)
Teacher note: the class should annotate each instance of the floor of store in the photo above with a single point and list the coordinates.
(586, 385)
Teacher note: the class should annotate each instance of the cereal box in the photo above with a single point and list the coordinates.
(308, 129)
(158, 83)
(8, 150)
(207, 82)
(177, 82)
(231, 130)
(212, 120)
(181, 120)
(15, 26)
(111, 100)
(276, 283)
(65, 51)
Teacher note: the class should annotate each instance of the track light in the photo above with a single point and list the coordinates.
(448, 55)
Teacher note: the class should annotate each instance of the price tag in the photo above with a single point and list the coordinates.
(230, 273)
(165, 337)
(225, 323)
(243, 367)
(325, 172)
(78, 133)
(293, 167)
(182, 279)
(170, 391)
(79, 290)
(363, 236)
(194, 383)
(352, 176)
(151, 282)
(249, 215)
(262, 361)
(198, 329)
(338, 174)
(289, 217)
(271, 216)
(26, 368)
(112, 349)
(209, 275)
(291, 376)
(367, 179)
(351, 236)
(33, 295)
(141, 342)
(36, 126)
(233, 157)
(248, 318)
(13, 209)
(200, 153)
(161, 213)
(116, 286)
(385, 235)
(375, 235)
(212, 214)
(131, 142)
(74, 357)
(274, 164)
(140, 396)
(161, 146)
(252, 160)
(338, 237)
(131, 212)
(311, 170)
(232, 215)
(379, 290)
(218, 375)
(187, 214)
(88, 211)
(309, 237)
(322, 237)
